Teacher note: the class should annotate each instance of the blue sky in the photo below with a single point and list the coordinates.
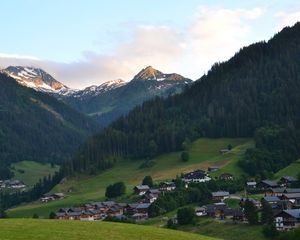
(89, 42)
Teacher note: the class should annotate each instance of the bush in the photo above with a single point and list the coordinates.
(115, 190)
(185, 156)
(185, 215)
(270, 231)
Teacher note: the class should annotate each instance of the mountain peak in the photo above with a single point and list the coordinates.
(34, 78)
(150, 73)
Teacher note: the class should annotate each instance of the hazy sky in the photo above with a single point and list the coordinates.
(85, 42)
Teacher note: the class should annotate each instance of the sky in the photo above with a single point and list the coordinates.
(88, 42)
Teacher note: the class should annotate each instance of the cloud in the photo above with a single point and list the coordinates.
(287, 19)
(218, 33)
(215, 34)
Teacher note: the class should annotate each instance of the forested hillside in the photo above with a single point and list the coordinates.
(37, 127)
(260, 85)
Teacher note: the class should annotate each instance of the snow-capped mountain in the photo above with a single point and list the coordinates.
(95, 90)
(35, 78)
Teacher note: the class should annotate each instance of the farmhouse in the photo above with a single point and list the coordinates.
(292, 197)
(251, 185)
(286, 181)
(271, 200)
(220, 195)
(167, 186)
(287, 219)
(292, 190)
(275, 192)
(141, 189)
(266, 184)
(197, 176)
(200, 211)
(151, 195)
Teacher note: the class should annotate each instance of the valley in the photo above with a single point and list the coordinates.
(82, 188)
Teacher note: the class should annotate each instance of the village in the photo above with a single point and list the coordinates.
(283, 200)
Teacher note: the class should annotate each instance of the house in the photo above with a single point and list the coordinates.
(275, 192)
(213, 168)
(271, 199)
(251, 185)
(286, 181)
(200, 211)
(226, 177)
(167, 186)
(266, 184)
(292, 190)
(197, 176)
(141, 189)
(223, 151)
(151, 195)
(287, 219)
(256, 202)
(138, 210)
(292, 197)
(216, 210)
(220, 195)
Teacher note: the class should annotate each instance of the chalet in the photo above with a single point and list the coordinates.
(256, 202)
(251, 185)
(213, 168)
(151, 195)
(167, 186)
(223, 151)
(287, 219)
(275, 192)
(115, 210)
(220, 195)
(292, 190)
(271, 199)
(266, 184)
(197, 176)
(141, 189)
(138, 210)
(286, 181)
(226, 177)
(292, 197)
(200, 211)
(216, 210)
(13, 184)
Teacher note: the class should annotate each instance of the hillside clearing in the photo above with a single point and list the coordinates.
(80, 189)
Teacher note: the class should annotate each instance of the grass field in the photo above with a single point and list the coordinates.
(81, 189)
(292, 170)
(27, 229)
(33, 171)
(225, 230)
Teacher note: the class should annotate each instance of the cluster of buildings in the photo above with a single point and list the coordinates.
(101, 210)
(12, 184)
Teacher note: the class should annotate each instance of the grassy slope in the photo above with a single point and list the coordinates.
(13, 229)
(292, 170)
(227, 231)
(33, 171)
(203, 153)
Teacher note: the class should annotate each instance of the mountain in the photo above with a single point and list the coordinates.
(115, 98)
(259, 86)
(34, 78)
(35, 126)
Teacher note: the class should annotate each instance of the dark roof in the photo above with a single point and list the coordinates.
(142, 187)
(109, 203)
(153, 191)
(292, 195)
(271, 199)
(292, 190)
(278, 190)
(143, 205)
(172, 184)
(293, 212)
(195, 175)
(269, 183)
(289, 178)
(220, 194)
